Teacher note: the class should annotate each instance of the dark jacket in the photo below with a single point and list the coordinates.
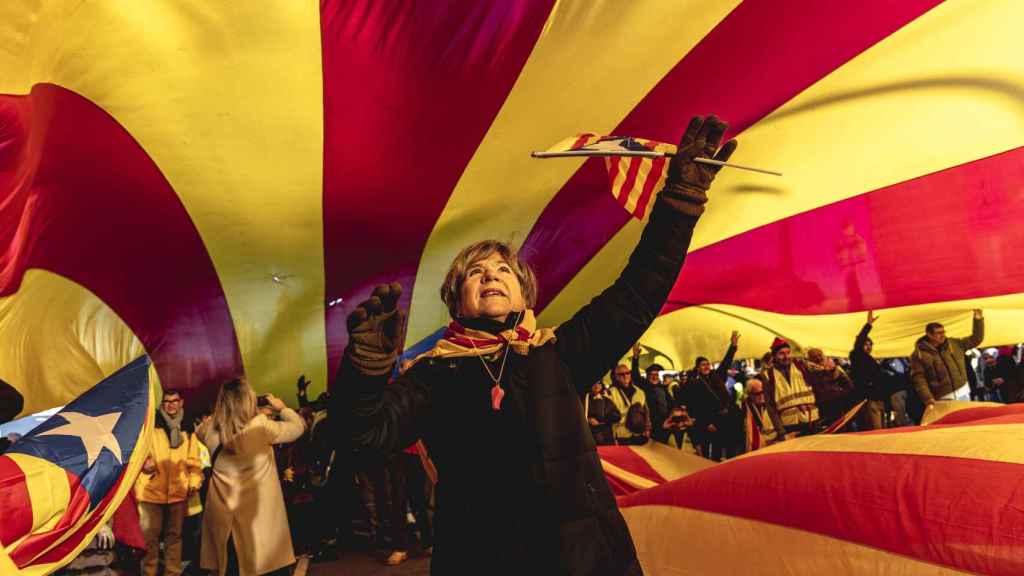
(602, 409)
(659, 402)
(834, 392)
(521, 490)
(937, 372)
(869, 380)
(1006, 369)
(11, 402)
(708, 401)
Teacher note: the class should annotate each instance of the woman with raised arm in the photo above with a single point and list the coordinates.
(497, 401)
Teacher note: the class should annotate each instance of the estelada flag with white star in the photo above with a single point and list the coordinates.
(63, 480)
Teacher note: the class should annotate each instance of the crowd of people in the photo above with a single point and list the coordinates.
(488, 441)
(242, 489)
(715, 410)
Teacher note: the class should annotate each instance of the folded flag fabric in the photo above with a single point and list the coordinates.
(63, 480)
(893, 501)
(629, 469)
(635, 173)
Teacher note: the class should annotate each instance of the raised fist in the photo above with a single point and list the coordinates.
(376, 330)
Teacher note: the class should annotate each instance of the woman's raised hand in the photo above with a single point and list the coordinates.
(688, 181)
(376, 330)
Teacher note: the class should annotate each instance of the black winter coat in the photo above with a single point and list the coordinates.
(868, 378)
(708, 401)
(602, 409)
(521, 490)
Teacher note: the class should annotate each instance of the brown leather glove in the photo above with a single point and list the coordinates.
(376, 330)
(687, 183)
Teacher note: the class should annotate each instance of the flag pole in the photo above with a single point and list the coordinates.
(646, 154)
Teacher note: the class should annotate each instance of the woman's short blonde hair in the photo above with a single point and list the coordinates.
(235, 407)
(451, 289)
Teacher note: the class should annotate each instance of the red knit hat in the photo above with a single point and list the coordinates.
(779, 344)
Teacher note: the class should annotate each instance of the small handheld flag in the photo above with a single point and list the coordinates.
(636, 166)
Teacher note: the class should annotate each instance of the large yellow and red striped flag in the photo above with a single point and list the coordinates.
(937, 499)
(216, 183)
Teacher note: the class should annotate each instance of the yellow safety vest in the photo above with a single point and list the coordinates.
(794, 399)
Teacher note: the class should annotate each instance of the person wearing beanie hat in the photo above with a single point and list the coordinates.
(659, 400)
(789, 396)
(718, 421)
(779, 344)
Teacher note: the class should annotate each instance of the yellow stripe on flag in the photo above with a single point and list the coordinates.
(962, 441)
(721, 544)
(950, 101)
(226, 97)
(58, 339)
(559, 95)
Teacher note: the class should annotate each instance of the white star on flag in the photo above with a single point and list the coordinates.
(95, 432)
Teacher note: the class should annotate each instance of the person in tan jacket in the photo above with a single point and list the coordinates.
(245, 521)
(170, 474)
(937, 366)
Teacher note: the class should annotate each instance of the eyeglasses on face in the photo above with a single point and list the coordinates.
(172, 401)
(622, 373)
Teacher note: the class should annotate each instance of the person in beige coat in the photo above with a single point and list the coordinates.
(245, 514)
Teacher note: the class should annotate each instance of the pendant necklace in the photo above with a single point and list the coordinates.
(497, 393)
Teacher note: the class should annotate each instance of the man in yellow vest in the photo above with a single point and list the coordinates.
(788, 393)
(172, 472)
(635, 426)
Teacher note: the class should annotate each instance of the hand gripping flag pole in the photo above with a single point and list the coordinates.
(589, 144)
(636, 167)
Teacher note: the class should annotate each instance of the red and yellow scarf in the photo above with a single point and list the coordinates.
(459, 341)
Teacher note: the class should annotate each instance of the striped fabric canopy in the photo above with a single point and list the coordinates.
(218, 183)
(940, 499)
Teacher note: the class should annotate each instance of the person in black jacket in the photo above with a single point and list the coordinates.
(869, 380)
(497, 401)
(718, 421)
(656, 393)
(11, 402)
(601, 413)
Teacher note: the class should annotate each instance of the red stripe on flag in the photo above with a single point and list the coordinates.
(38, 543)
(60, 551)
(887, 242)
(742, 90)
(1012, 418)
(630, 182)
(652, 180)
(581, 141)
(1009, 414)
(625, 458)
(391, 50)
(81, 198)
(964, 513)
(14, 502)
